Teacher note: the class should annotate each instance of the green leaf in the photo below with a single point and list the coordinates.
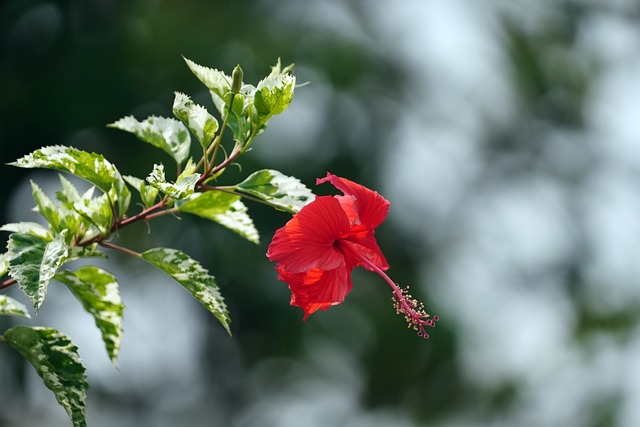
(49, 211)
(11, 307)
(80, 217)
(94, 211)
(202, 124)
(68, 193)
(239, 117)
(55, 358)
(88, 251)
(183, 187)
(193, 277)
(90, 166)
(207, 204)
(148, 194)
(217, 81)
(4, 263)
(283, 192)
(165, 133)
(225, 209)
(32, 228)
(275, 92)
(97, 291)
(33, 263)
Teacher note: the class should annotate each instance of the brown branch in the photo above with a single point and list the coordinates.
(7, 283)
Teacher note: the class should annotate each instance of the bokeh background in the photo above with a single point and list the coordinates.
(505, 133)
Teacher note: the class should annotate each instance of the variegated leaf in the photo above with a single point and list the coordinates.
(193, 277)
(55, 358)
(97, 291)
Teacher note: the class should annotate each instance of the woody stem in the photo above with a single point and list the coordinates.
(7, 283)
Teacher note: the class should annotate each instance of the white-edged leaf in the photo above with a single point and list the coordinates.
(274, 93)
(89, 166)
(97, 291)
(183, 187)
(49, 211)
(237, 219)
(148, 193)
(68, 193)
(193, 277)
(202, 124)
(27, 227)
(217, 81)
(55, 358)
(87, 251)
(93, 212)
(4, 263)
(219, 85)
(224, 208)
(165, 133)
(11, 307)
(283, 192)
(34, 262)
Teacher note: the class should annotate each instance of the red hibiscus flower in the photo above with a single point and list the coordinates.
(319, 247)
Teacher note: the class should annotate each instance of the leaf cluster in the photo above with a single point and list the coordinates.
(83, 225)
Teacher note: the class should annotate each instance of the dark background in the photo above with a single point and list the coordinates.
(504, 134)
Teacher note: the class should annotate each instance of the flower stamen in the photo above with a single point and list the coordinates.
(412, 310)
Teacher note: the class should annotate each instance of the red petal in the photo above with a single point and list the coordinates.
(307, 240)
(317, 289)
(372, 207)
(366, 247)
(349, 205)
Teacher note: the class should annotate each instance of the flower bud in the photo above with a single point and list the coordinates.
(237, 79)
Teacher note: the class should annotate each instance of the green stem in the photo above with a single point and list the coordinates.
(213, 156)
(215, 144)
(247, 145)
(203, 159)
(205, 155)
